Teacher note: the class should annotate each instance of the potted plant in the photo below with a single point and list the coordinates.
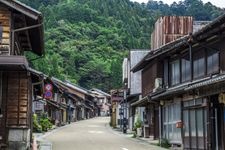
(138, 126)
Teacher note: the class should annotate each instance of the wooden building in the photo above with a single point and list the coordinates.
(21, 29)
(116, 98)
(103, 100)
(189, 77)
(170, 28)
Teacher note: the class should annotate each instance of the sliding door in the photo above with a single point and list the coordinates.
(195, 126)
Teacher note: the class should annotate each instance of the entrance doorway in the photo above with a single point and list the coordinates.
(217, 124)
(195, 125)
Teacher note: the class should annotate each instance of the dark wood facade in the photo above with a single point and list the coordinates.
(21, 29)
(16, 101)
(149, 74)
(192, 95)
(198, 104)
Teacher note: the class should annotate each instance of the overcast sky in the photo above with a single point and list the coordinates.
(219, 3)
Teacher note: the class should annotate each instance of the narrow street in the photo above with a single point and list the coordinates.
(94, 134)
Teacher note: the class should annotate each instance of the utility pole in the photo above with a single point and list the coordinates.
(125, 111)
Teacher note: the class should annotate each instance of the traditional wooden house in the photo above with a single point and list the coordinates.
(190, 88)
(103, 101)
(82, 110)
(117, 97)
(21, 29)
(53, 98)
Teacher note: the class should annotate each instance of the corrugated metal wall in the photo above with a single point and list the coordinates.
(170, 28)
(135, 78)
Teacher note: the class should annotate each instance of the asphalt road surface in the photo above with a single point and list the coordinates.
(94, 134)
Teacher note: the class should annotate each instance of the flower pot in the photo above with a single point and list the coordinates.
(139, 132)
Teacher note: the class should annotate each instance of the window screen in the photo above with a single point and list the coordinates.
(175, 72)
(212, 61)
(199, 64)
(186, 68)
(171, 114)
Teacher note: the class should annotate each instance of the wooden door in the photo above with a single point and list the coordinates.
(18, 100)
(217, 127)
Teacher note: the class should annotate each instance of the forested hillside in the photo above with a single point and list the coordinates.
(86, 40)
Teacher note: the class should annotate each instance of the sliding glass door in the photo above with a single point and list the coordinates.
(195, 126)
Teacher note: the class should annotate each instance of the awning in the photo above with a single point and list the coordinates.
(206, 83)
(35, 72)
(188, 86)
(132, 97)
(85, 106)
(13, 63)
(64, 106)
(141, 102)
(53, 103)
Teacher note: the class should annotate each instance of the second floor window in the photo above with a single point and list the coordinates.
(175, 72)
(199, 64)
(212, 61)
(185, 68)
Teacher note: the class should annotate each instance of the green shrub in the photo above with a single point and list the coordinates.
(138, 123)
(134, 135)
(36, 126)
(165, 143)
(45, 123)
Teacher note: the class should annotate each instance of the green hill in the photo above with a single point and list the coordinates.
(86, 40)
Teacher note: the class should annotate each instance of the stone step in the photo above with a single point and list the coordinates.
(43, 145)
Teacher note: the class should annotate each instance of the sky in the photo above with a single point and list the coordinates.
(219, 3)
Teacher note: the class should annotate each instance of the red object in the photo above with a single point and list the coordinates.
(48, 95)
(48, 87)
(179, 124)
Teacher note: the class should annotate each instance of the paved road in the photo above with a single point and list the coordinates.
(94, 134)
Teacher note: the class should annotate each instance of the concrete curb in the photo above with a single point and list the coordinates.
(129, 136)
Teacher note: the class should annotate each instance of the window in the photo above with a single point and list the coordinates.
(199, 64)
(175, 72)
(186, 68)
(212, 61)
(171, 115)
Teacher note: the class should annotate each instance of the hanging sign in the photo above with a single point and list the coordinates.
(48, 91)
(48, 87)
(221, 98)
(48, 95)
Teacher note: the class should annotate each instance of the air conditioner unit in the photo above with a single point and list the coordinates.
(158, 84)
